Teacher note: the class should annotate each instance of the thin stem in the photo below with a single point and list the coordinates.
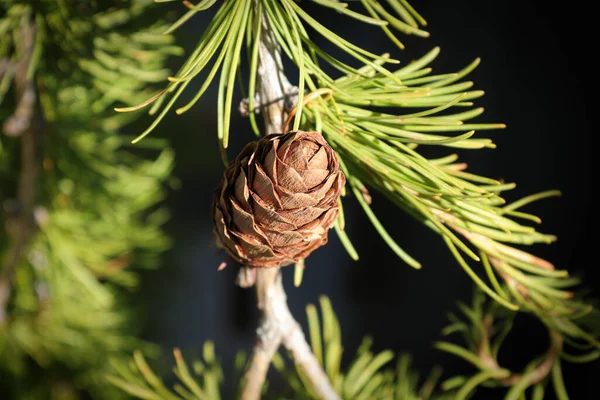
(278, 325)
(269, 334)
(541, 370)
(273, 85)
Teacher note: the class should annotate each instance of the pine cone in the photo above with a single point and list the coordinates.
(278, 199)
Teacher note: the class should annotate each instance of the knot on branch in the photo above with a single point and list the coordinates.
(269, 331)
(289, 100)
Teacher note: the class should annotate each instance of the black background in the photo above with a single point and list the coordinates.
(537, 73)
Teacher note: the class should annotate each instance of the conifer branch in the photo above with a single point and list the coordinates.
(364, 119)
(278, 325)
(484, 326)
(85, 207)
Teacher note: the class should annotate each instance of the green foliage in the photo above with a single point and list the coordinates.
(96, 200)
(368, 376)
(361, 115)
(203, 381)
(379, 149)
(238, 22)
(484, 327)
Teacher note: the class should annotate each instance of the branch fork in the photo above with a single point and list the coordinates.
(289, 99)
(540, 371)
(278, 327)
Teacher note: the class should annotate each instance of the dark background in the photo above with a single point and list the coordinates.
(537, 73)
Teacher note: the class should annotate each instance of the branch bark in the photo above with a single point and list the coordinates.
(22, 123)
(278, 326)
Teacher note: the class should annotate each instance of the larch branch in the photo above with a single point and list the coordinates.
(278, 325)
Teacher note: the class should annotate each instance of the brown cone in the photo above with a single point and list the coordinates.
(278, 199)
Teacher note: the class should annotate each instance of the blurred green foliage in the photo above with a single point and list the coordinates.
(95, 215)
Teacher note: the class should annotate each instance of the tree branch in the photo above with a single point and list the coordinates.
(269, 334)
(273, 85)
(278, 325)
(22, 123)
